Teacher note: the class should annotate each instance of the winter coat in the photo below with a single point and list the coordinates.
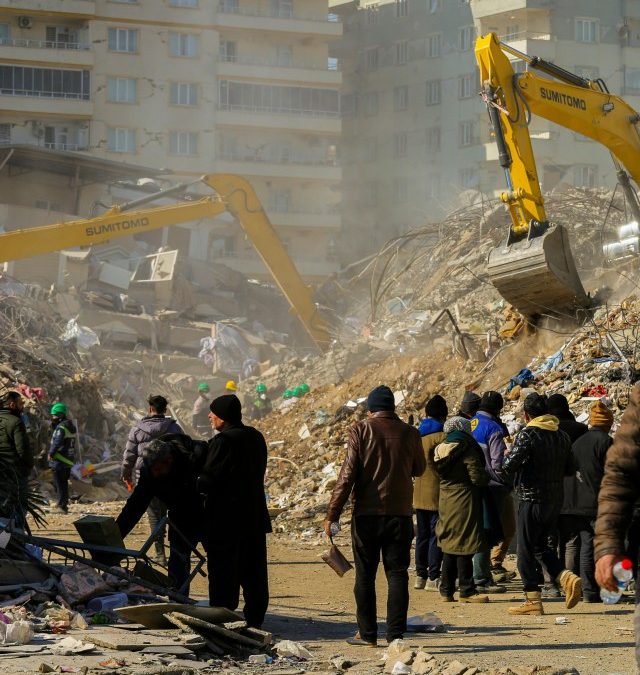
(147, 429)
(489, 433)
(581, 489)
(232, 482)
(459, 462)
(14, 442)
(620, 488)
(572, 428)
(383, 454)
(63, 441)
(426, 488)
(540, 459)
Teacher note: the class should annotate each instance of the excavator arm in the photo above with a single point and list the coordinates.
(534, 267)
(231, 193)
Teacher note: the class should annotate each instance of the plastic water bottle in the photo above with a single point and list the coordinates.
(623, 572)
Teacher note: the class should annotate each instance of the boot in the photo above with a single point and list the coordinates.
(572, 587)
(532, 606)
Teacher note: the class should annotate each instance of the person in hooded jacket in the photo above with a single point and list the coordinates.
(580, 507)
(62, 452)
(426, 493)
(154, 425)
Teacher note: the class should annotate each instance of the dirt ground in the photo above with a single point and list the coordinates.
(310, 604)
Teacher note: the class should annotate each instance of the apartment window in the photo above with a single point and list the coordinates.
(465, 38)
(184, 93)
(434, 137)
(282, 9)
(512, 32)
(402, 8)
(400, 144)
(433, 92)
(434, 6)
(5, 133)
(5, 33)
(183, 44)
(123, 39)
(183, 143)
(587, 30)
(401, 98)
(467, 134)
(400, 189)
(371, 58)
(228, 50)
(229, 6)
(585, 176)
(59, 36)
(120, 139)
(468, 178)
(183, 3)
(47, 82)
(402, 52)
(466, 85)
(121, 90)
(434, 45)
(280, 200)
(284, 56)
(588, 72)
(349, 105)
(370, 103)
(372, 15)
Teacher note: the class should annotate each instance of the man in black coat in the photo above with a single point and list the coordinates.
(580, 507)
(169, 472)
(236, 514)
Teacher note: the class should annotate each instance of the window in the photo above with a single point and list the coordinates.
(5, 33)
(467, 134)
(370, 103)
(402, 52)
(400, 144)
(183, 3)
(465, 38)
(184, 93)
(400, 189)
(434, 6)
(284, 56)
(5, 133)
(468, 178)
(372, 15)
(60, 36)
(227, 50)
(402, 8)
(587, 30)
(466, 85)
(282, 9)
(48, 82)
(183, 143)
(401, 98)
(120, 139)
(349, 105)
(121, 90)
(433, 92)
(512, 32)
(585, 176)
(434, 45)
(434, 136)
(183, 44)
(371, 58)
(229, 6)
(123, 39)
(280, 200)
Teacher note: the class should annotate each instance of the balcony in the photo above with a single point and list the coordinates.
(262, 69)
(73, 106)
(273, 166)
(38, 51)
(231, 15)
(78, 9)
(318, 121)
(487, 8)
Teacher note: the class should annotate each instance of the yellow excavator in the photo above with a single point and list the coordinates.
(533, 268)
(230, 193)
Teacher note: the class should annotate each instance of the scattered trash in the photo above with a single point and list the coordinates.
(426, 623)
(291, 648)
(562, 620)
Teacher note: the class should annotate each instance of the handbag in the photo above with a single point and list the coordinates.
(336, 560)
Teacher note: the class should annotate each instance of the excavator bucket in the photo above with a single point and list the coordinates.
(538, 275)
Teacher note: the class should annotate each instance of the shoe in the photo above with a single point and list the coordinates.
(432, 585)
(447, 598)
(490, 588)
(476, 598)
(550, 591)
(572, 586)
(357, 641)
(501, 574)
(532, 606)
(420, 583)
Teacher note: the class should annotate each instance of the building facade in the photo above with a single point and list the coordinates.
(416, 139)
(193, 86)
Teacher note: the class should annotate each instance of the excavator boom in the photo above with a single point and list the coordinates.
(231, 193)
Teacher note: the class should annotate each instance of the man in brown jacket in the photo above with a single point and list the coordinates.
(383, 455)
(619, 491)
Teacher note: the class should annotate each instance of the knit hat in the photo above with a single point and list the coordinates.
(600, 416)
(227, 408)
(470, 403)
(436, 407)
(536, 404)
(381, 398)
(491, 402)
(457, 424)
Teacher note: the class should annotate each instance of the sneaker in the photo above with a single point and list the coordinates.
(420, 583)
(550, 591)
(491, 588)
(432, 585)
(476, 598)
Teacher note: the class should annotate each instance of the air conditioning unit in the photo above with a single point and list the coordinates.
(25, 22)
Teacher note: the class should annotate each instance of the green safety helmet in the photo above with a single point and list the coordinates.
(203, 386)
(297, 392)
(261, 388)
(305, 388)
(287, 393)
(59, 409)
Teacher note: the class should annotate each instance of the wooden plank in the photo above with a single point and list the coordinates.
(229, 635)
(259, 635)
(235, 625)
(216, 649)
(153, 615)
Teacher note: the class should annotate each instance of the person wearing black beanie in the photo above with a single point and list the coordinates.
(236, 514)
(469, 404)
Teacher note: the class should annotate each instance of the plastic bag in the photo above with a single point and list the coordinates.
(291, 648)
(18, 632)
(83, 337)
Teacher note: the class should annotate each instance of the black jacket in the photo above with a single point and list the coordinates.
(14, 442)
(63, 440)
(232, 482)
(581, 489)
(178, 490)
(539, 460)
(572, 428)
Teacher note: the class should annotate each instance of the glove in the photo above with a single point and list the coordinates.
(129, 485)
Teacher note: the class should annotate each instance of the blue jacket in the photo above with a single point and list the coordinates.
(430, 426)
(489, 434)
